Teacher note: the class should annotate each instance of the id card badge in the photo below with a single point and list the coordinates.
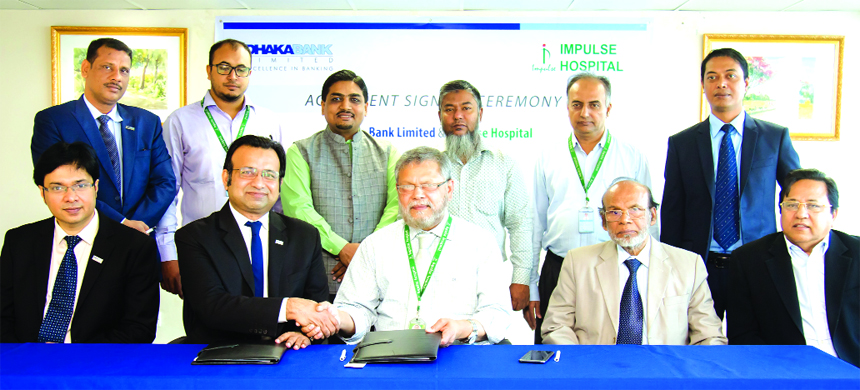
(586, 220)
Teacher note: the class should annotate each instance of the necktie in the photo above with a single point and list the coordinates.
(726, 231)
(630, 322)
(110, 144)
(424, 241)
(56, 322)
(256, 256)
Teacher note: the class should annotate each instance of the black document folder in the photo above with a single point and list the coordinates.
(241, 353)
(397, 346)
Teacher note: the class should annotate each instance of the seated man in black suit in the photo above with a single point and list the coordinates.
(246, 271)
(77, 277)
(801, 285)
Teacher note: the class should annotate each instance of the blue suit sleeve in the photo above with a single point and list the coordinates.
(788, 158)
(673, 207)
(161, 184)
(45, 134)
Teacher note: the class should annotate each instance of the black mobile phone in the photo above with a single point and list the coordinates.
(536, 356)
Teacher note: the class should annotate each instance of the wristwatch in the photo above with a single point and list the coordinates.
(474, 335)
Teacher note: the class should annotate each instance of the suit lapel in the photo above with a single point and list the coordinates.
(779, 266)
(41, 267)
(232, 237)
(91, 130)
(836, 265)
(747, 150)
(103, 247)
(659, 270)
(703, 142)
(607, 275)
(129, 144)
(277, 253)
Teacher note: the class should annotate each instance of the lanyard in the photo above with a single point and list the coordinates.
(419, 291)
(218, 132)
(596, 167)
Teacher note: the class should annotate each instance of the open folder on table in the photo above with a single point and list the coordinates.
(241, 353)
(397, 346)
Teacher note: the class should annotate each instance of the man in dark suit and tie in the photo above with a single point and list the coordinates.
(77, 277)
(719, 191)
(802, 285)
(248, 273)
(138, 183)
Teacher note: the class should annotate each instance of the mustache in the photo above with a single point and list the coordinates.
(117, 85)
(345, 112)
(420, 203)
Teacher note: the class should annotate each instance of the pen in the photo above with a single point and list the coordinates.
(557, 355)
(149, 231)
(343, 355)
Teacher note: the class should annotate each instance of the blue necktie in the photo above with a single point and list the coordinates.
(257, 256)
(110, 144)
(56, 322)
(630, 321)
(726, 216)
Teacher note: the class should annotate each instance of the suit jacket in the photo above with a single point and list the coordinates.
(688, 195)
(585, 306)
(218, 280)
(763, 298)
(149, 186)
(118, 299)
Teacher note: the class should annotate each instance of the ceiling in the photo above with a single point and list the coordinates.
(440, 5)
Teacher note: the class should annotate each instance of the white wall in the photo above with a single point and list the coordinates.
(672, 91)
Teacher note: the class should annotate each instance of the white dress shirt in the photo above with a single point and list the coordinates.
(115, 127)
(716, 139)
(82, 255)
(644, 257)
(558, 195)
(466, 284)
(197, 158)
(809, 279)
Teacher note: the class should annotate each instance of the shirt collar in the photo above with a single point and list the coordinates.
(599, 143)
(241, 219)
(799, 257)
(437, 231)
(209, 101)
(87, 234)
(716, 124)
(113, 114)
(337, 138)
(644, 256)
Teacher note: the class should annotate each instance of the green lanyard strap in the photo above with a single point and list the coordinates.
(218, 132)
(596, 167)
(419, 290)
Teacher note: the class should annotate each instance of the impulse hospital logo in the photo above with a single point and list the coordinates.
(546, 54)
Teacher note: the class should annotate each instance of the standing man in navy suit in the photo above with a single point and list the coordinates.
(719, 192)
(138, 183)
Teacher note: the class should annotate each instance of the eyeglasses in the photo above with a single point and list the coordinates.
(225, 69)
(251, 173)
(429, 187)
(615, 215)
(814, 208)
(57, 189)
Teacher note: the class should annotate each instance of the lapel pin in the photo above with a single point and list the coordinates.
(97, 259)
(129, 128)
(279, 242)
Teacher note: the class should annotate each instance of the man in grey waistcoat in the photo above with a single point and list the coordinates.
(341, 180)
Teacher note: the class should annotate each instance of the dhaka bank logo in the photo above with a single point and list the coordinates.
(293, 49)
(546, 54)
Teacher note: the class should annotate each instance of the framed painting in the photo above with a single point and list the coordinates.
(794, 81)
(158, 70)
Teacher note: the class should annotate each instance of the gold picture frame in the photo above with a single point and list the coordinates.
(158, 79)
(795, 81)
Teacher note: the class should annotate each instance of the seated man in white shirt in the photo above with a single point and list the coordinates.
(430, 270)
(800, 286)
(632, 289)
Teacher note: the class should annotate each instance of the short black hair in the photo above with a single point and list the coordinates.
(344, 75)
(727, 52)
(459, 85)
(116, 44)
(234, 43)
(607, 86)
(811, 174)
(79, 154)
(256, 142)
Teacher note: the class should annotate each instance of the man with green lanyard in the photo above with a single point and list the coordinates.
(341, 179)
(198, 137)
(430, 270)
(570, 178)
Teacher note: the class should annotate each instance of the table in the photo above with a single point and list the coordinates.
(148, 366)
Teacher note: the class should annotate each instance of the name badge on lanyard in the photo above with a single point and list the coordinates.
(586, 220)
(587, 214)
